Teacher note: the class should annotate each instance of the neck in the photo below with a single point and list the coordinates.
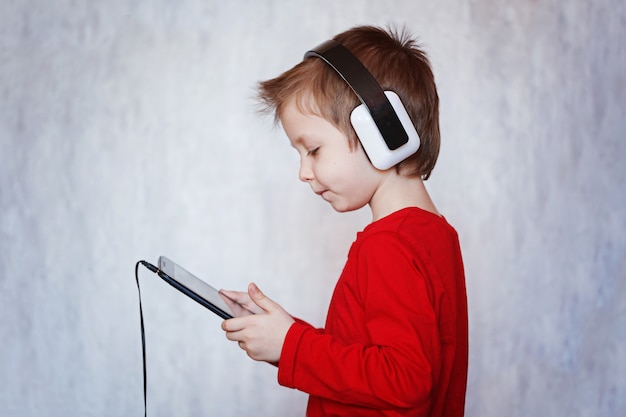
(396, 192)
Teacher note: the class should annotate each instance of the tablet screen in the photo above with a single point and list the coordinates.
(199, 290)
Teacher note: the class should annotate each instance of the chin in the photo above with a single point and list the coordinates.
(344, 208)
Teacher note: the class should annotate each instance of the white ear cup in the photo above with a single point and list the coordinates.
(372, 141)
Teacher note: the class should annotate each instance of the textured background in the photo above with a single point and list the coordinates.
(128, 130)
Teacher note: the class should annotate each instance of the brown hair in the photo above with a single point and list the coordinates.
(395, 61)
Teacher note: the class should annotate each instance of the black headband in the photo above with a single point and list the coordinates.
(366, 88)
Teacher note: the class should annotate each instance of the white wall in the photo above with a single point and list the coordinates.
(129, 131)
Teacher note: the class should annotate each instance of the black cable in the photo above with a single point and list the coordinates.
(143, 333)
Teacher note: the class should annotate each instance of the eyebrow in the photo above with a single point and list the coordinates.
(298, 141)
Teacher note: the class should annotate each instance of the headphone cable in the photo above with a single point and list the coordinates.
(143, 333)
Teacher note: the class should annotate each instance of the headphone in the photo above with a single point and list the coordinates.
(381, 122)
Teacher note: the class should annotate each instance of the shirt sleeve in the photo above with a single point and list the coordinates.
(396, 367)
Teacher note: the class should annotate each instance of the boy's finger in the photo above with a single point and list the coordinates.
(259, 298)
(237, 296)
(233, 325)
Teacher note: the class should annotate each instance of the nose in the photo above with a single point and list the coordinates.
(306, 173)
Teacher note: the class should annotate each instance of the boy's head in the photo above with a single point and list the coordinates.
(395, 61)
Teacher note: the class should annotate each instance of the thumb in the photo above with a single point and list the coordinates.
(260, 299)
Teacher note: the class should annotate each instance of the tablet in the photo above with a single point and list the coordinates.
(198, 290)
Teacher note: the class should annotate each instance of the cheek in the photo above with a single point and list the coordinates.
(359, 178)
(350, 173)
(361, 167)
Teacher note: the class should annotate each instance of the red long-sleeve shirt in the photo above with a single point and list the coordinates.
(395, 341)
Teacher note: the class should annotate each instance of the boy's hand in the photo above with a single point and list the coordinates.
(241, 298)
(260, 335)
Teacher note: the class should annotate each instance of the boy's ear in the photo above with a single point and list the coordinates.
(381, 122)
(372, 140)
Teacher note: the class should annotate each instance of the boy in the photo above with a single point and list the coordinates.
(395, 339)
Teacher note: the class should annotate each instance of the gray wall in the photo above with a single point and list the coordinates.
(129, 131)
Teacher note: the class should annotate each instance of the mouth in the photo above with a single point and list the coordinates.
(323, 194)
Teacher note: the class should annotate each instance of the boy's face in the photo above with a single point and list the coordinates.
(342, 176)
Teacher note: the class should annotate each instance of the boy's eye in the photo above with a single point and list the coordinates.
(313, 151)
